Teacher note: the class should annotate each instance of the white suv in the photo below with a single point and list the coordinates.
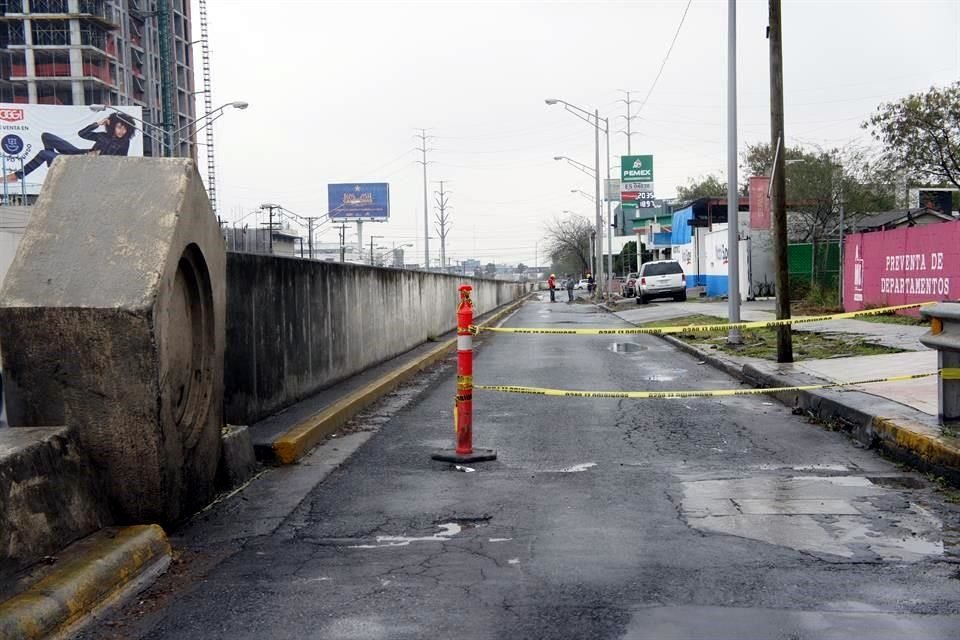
(661, 279)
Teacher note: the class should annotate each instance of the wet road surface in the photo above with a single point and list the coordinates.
(693, 518)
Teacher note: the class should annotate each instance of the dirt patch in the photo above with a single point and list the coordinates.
(762, 343)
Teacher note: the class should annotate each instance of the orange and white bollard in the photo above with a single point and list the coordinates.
(463, 401)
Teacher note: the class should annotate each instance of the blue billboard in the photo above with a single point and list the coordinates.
(359, 201)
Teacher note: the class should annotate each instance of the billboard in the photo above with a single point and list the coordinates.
(32, 136)
(936, 199)
(358, 201)
(901, 266)
(759, 202)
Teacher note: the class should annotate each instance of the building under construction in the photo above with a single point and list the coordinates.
(117, 52)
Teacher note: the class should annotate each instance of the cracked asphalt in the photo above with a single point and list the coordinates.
(695, 518)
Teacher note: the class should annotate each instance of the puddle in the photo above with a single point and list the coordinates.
(626, 347)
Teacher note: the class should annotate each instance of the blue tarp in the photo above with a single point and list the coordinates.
(681, 230)
(662, 239)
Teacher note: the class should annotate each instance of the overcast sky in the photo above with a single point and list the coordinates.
(337, 90)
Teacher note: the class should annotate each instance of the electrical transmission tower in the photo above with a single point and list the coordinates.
(629, 118)
(443, 221)
(424, 138)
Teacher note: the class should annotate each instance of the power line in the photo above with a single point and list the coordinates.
(667, 57)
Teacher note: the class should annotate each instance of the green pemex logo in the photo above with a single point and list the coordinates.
(637, 168)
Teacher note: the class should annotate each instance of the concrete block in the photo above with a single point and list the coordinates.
(112, 322)
(237, 460)
(49, 495)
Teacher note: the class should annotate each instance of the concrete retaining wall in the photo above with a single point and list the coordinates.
(297, 326)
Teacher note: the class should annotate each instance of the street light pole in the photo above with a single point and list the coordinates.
(166, 135)
(596, 154)
(592, 119)
(733, 199)
(606, 282)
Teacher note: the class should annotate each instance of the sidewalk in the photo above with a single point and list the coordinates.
(900, 417)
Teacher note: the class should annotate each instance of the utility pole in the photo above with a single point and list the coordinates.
(426, 210)
(310, 235)
(343, 241)
(371, 248)
(270, 207)
(733, 198)
(443, 222)
(778, 183)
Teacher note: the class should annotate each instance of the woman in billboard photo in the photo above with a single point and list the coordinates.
(114, 140)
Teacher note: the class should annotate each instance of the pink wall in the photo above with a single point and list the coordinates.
(902, 266)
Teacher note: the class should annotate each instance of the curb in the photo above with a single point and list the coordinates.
(294, 443)
(93, 580)
(914, 443)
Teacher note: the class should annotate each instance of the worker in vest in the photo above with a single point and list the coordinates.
(552, 285)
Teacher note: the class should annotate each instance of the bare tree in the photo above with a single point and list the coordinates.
(568, 243)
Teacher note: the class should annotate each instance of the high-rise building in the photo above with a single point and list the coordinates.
(85, 52)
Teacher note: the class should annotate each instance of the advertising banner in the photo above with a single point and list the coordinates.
(32, 136)
(359, 201)
(759, 202)
(901, 266)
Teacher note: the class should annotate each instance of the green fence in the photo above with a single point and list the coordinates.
(813, 264)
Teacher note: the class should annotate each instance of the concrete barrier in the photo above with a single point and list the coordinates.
(297, 326)
(49, 495)
(111, 322)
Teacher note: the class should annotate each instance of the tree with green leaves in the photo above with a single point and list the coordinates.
(709, 186)
(921, 135)
(568, 244)
(817, 180)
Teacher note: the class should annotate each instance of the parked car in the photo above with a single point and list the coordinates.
(628, 288)
(661, 279)
(582, 284)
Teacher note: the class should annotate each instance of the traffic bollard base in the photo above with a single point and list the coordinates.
(477, 455)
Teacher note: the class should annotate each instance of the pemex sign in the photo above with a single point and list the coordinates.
(636, 181)
(636, 168)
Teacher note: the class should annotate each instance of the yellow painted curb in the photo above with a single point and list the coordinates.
(924, 441)
(294, 443)
(83, 583)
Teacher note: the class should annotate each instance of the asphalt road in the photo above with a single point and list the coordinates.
(702, 518)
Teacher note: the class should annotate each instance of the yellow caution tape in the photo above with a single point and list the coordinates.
(950, 373)
(538, 391)
(705, 328)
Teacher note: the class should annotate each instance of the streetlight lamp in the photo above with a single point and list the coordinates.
(598, 124)
(584, 194)
(167, 136)
(578, 165)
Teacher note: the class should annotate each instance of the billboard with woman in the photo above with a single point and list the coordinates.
(32, 136)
